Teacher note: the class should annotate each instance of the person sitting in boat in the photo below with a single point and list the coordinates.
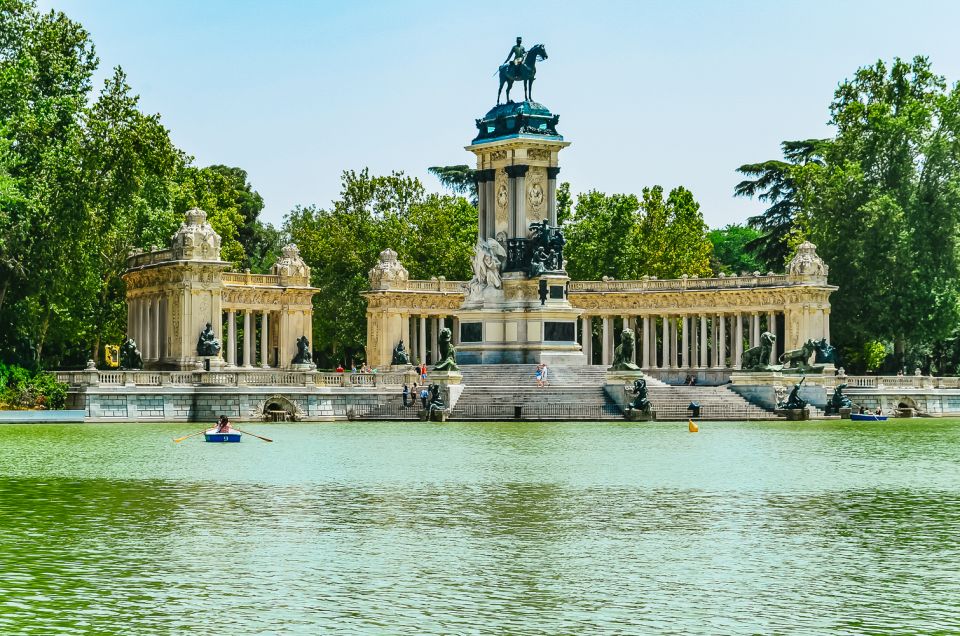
(862, 410)
(223, 424)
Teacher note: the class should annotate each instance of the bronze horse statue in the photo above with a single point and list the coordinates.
(526, 71)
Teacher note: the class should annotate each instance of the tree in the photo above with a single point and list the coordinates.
(564, 203)
(460, 179)
(884, 206)
(773, 183)
(624, 237)
(433, 235)
(731, 254)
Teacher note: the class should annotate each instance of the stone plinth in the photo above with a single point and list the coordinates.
(633, 415)
(445, 378)
(795, 415)
(845, 413)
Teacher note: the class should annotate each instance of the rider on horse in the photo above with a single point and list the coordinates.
(517, 52)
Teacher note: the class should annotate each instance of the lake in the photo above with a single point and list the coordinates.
(474, 528)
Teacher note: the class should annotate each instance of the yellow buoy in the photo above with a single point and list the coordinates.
(693, 427)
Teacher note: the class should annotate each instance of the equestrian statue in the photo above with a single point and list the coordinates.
(520, 65)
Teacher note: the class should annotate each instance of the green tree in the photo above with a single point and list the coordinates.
(624, 237)
(730, 250)
(773, 183)
(883, 208)
(433, 235)
(460, 179)
(564, 203)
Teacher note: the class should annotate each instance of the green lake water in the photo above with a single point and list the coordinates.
(467, 528)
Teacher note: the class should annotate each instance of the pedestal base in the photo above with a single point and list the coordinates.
(303, 367)
(639, 416)
(445, 378)
(845, 413)
(796, 415)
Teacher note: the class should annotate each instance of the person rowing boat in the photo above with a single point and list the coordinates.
(223, 425)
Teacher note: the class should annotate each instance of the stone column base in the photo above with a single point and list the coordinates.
(845, 413)
(633, 415)
(795, 415)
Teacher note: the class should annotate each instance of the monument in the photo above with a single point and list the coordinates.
(516, 308)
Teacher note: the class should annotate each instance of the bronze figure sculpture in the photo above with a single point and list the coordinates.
(208, 344)
(623, 354)
(522, 68)
(448, 354)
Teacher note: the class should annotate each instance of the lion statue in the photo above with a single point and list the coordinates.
(798, 358)
(448, 354)
(757, 358)
(624, 352)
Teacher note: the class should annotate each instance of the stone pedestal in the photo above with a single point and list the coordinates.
(638, 416)
(210, 363)
(303, 367)
(845, 413)
(796, 415)
(444, 378)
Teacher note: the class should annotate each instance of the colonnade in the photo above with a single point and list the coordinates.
(147, 325)
(684, 341)
(420, 334)
(268, 340)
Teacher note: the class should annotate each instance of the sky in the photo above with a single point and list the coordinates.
(649, 93)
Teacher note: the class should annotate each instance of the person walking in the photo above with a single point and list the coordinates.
(406, 395)
(543, 374)
(538, 376)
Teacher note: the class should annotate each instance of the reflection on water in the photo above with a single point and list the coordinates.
(467, 528)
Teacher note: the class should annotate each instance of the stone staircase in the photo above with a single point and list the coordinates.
(577, 393)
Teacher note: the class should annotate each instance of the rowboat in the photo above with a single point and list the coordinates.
(867, 417)
(211, 435)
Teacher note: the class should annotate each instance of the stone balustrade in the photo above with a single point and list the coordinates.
(228, 377)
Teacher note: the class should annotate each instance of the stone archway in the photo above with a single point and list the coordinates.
(277, 408)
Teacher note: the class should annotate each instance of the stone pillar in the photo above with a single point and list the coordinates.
(685, 344)
(492, 203)
(434, 347)
(645, 343)
(552, 173)
(264, 341)
(587, 337)
(247, 341)
(666, 342)
(455, 330)
(232, 338)
(480, 182)
(755, 334)
(694, 342)
(738, 341)
(605, 342)
(722, 342)
(155, 331)
(405, 333)
(826, 324)
(704, 348)
(772, 328)
(422, 340)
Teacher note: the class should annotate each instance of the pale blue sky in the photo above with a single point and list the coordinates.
(669, 93)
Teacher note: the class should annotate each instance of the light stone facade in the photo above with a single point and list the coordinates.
(683, 325)
(173, 293)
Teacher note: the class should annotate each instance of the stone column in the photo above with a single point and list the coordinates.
(738, 341)
(552, 173)
(264, 341)
(587, 336)
(232, 338)
(405, 333)
(645, 343)
(434, 347)
(722, 341)
(826, 324)
(685, 344)
(666, 342)
(480, 182)
(491, 203)
(422, 340)
(772, 328)
(694, 342)
(704, 348)
(247, 346)
(605, 341)
(755, 339)
(455, 330)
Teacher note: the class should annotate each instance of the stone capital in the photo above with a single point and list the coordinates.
(519, 170)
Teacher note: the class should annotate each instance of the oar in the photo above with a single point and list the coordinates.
(180, 439)
(266, 439)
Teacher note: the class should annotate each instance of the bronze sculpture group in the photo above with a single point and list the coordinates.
(303, 351)
(521, 68)
(130, 357)
(400, 355)
(208, 344)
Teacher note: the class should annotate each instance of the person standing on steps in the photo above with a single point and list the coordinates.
(538, 376)
(406, 394)
(543, 374)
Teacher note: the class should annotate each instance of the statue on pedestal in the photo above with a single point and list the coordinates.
(826, 352)
(838, 400)
(130, 357)
(758, 358)
(523, 67)
(303, 352)
(640, 402)
(208, 344)
(794, 401)
(448, 354)
(623, 354)
(400, 355)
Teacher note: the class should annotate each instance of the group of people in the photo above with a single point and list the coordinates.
(863, 411)
(690, 380)
(541, 375)
(410, 394)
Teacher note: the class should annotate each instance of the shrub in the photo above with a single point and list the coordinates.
(21, 389)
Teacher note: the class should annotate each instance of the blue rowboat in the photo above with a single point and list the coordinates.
(213, 436)
(867, 417)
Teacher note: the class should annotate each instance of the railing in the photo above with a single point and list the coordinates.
(438, 285)
(243, 278)
(149, 258)
(654, 284)
(897, 382)
(278, 377)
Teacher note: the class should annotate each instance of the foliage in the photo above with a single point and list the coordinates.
(731, 254)
(460, 179)
(884, 205)
(564, 203)
(84, 178)
(23, 389)
(773, 183)
(432, 235)
(624, 237)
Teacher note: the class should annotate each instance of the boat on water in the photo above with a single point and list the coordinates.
(211, 435)
(867, 417)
